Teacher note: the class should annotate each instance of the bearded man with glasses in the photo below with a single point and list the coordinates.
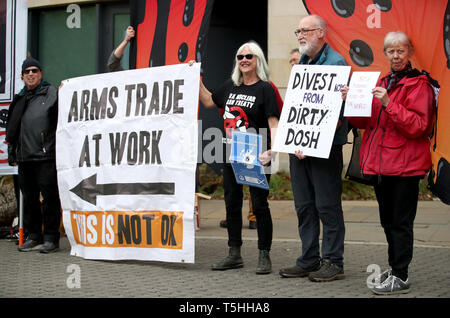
(30, 134)
(317, 182)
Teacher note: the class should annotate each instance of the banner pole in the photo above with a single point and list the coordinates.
(21, 219)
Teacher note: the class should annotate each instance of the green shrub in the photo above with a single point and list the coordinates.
(280, 187)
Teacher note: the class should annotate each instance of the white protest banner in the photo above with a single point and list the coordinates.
(311, 109)
(13, 48)
(358, 102)
(126, 154)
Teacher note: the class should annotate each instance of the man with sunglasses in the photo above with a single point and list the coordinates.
(30, 134)
(317, 182)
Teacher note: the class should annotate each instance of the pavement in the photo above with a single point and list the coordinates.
(60, 275)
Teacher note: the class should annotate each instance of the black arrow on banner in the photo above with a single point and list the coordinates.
(88, 189)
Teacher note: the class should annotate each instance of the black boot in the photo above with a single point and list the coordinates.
(264, 263)
(233, 260)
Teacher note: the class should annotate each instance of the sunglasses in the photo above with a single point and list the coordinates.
(33, 70)
(247, 56)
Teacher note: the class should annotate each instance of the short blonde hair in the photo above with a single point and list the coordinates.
(262, 68)
(398, 37)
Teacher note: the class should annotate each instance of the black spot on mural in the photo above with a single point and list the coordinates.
(383, 5)
(183, 52)
(198, 49)
(188, 14)
(343, 8)
(361, 53)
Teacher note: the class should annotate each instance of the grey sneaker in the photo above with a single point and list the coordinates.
(384, 275)
(29, 245)
(327, 272)
(379, 279)
(49, 247)
(391, 286)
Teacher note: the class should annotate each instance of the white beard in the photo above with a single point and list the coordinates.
(305, 48)
(309, 48)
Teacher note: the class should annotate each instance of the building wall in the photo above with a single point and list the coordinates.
(51, 3)
(283, 17)
(61, 58)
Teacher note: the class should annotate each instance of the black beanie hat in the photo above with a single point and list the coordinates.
(29, 61)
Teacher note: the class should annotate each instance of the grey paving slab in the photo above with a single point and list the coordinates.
(39, 275)
(432, 225)
(33, 274)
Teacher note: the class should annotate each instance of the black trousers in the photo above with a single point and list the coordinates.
(397, 199)
(37, 178)
(317, 188)
(233, 203)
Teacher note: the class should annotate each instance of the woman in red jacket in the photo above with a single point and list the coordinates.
(395, 151)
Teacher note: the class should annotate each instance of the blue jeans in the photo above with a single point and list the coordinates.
(317, 189)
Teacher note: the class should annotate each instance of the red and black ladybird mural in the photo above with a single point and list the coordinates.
(356, 29)
(169, 31)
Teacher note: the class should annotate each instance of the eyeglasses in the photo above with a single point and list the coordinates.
(33, 70)
(247, 56)
(304, 31)
(393, 51)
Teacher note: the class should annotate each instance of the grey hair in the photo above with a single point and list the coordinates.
(320, 22)
(398, 37)
(262, 68)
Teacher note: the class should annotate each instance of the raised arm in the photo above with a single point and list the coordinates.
(205, 94)
(129, 34)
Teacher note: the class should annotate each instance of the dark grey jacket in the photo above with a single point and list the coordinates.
(35, 139)
(114, 63)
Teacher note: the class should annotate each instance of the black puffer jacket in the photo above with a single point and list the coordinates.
(31, 135)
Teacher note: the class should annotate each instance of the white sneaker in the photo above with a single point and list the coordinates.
(392, 285)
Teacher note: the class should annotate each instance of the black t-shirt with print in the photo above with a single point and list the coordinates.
(247, 109)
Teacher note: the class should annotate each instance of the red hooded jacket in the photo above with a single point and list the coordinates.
(395, 141)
